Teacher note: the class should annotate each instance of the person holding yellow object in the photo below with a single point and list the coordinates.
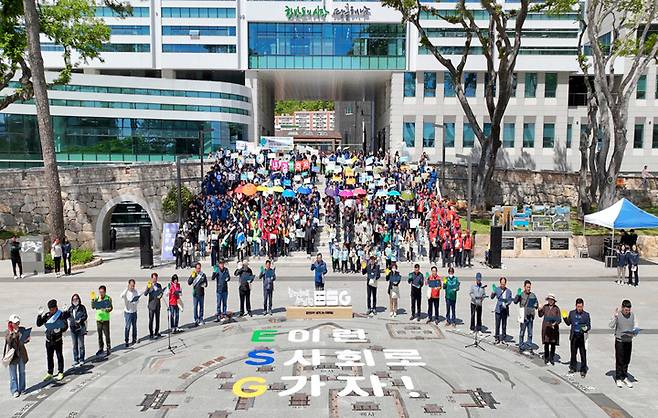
(154, 291)
(103, 306)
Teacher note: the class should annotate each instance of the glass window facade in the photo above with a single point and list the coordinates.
(654, 139)
(486, 84)
(357, 46)
(201, 12)
(641, 92)
(486, 129)
(409, 134)
(508, 135)
(126, 48)
(469, 136)
(470, 84)
(548, 140)
(569, 135)
(199, 49)
(429, 84)
(449, 134)
(201, 30)
(130, 30)
(528, 135)
(428, 134)
(530, 84)
(638, 136)
(409, 84)
(448, 87)
(550, 84)
(115, 139)
(108, 12)
(143, 106)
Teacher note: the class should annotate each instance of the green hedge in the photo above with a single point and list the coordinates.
(78, 256)
(7, 234)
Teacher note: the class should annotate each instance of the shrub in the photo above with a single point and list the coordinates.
(170, 202)
(78, 256)
(7, 234)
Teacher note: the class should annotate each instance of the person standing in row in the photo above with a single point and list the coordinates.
(451, 286)
(78, 328)
(580, 323)
(56, 253)
(416, 280)
(504, 299)
(550, 328)
(477, 294)
(372, 273)
(173, 300)
(56, 324)
(268, 276)
(154, 293)
(433, 283)
(393, 278)
(245, 277)
(67, 250)
(221, 275)
(199, 282)
(103, 306)
(626, 328)
(633, 260)
(319, 267)
(130, 298)
(14, 340)
(528, 303)
(15, 255)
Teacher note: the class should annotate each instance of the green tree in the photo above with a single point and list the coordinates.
(612, 31)
(70, 24)
(500, 41)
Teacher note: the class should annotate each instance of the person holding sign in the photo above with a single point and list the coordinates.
(103, 306)
(372, 272)
(433, 282)
(14, 354)
(78, 328)
(154, 293)
(580, 323)
(550, 328)
(199, 282)
(56, 324)
(130, 298)
(504, 298)
(393, 278)
(527, 302)
(625, 326)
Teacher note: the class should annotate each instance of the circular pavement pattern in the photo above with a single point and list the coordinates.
(270, 367)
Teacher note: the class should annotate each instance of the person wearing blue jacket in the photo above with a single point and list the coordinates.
(319, 267)
(580, 323)
(372, 273)
(221, 275)
(416, 280)
(504, 299)
(268, 276)
(633, 259)
(621, 263)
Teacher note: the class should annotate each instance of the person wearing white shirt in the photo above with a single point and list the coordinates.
(130, 298)
(56, 253)
(202, 237)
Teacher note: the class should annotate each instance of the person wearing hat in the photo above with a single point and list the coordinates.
(550, 330)
(221, 275)
(56, 324)
(14, 342)
(477, 294)
(373, 274)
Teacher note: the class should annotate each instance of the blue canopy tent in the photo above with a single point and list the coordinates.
(622, 215)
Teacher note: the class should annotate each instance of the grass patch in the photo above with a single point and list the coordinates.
(78, 256)
(478, 225)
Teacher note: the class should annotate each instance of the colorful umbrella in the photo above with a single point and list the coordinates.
(381, 193)
(393, 193)
(249, 189)
(331, 191)
(262, 188)
(304, 190)
(288, 193)
(346, 193)
(277, 189)
(407, 195)
(359, 191)
(238, 189)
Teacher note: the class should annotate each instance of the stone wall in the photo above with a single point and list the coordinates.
(90, 194)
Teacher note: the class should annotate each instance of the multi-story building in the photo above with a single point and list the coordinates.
(178, 69)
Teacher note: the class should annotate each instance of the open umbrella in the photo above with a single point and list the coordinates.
(346, 193)
(304, 190)
(262, 188)
(393, 193)
(407, 195)
(277, 189)
(238, 189)
(288, 193)
(359, 191)
(381, 193)
(331, 191)
(249, 189)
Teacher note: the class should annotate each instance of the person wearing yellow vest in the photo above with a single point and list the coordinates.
(103, 306)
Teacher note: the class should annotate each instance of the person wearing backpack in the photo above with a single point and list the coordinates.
(15, 356)
(56, 323)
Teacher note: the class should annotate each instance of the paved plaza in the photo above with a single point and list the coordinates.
(197, 378)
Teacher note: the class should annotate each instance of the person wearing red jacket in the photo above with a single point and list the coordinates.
(174, 296)
(468, 249)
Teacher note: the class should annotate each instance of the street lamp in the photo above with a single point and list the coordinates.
(469, 163)
(443, 155)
